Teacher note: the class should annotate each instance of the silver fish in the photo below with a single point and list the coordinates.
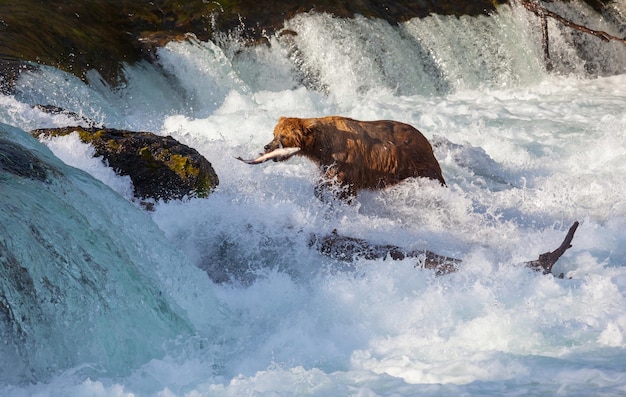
(278, 154)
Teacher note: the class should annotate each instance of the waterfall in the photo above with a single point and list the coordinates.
(82, 281)
(100, 297)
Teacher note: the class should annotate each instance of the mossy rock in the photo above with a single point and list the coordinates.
(161, 168)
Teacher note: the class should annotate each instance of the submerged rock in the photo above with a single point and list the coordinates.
(160, 168)
(15, 160)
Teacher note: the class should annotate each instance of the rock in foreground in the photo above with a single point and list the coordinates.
(161, 168)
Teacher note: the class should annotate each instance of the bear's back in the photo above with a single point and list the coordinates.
(374, 154)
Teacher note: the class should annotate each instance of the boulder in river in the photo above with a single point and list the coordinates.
(160, 167)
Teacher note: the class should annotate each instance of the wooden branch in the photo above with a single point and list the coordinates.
(542, 12)
(547, 260)
(546, 40)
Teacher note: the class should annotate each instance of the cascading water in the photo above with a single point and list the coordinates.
(110, 303)
(82, 281)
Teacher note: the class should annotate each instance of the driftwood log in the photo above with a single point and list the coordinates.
(347, 249)
(350, 248)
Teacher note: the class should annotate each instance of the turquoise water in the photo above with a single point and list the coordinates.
(525, 154)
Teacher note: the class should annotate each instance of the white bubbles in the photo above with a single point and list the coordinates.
(524, 154)
(74, 152)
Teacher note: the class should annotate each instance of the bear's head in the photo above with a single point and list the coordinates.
(291, 132)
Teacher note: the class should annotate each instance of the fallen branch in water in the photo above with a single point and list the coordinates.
(350, 248)
(547, 260)
(544, 14)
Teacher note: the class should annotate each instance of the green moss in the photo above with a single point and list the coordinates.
(113, 145)
(89, 136)
(204, 185)
(86, 136)
(181, 166)
(146, 154)
(184, 168)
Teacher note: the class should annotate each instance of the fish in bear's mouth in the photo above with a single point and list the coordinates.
(280, 154)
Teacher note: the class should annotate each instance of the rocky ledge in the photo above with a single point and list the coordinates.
(78, 36)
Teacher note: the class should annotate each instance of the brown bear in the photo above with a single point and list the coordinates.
(356, 154)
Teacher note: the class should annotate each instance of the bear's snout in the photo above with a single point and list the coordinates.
(272, 146)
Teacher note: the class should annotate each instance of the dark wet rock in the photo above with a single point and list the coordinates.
(160, 168)
(77, 36)
(17, 160)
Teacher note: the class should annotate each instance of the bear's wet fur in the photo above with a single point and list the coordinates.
(359, 154)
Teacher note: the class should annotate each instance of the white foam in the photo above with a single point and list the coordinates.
(524, 153)
(74, 152)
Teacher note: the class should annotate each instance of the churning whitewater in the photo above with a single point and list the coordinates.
(225, 296)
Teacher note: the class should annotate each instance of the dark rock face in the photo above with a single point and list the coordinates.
(161, 168)
(16, 160)
(77, 36)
